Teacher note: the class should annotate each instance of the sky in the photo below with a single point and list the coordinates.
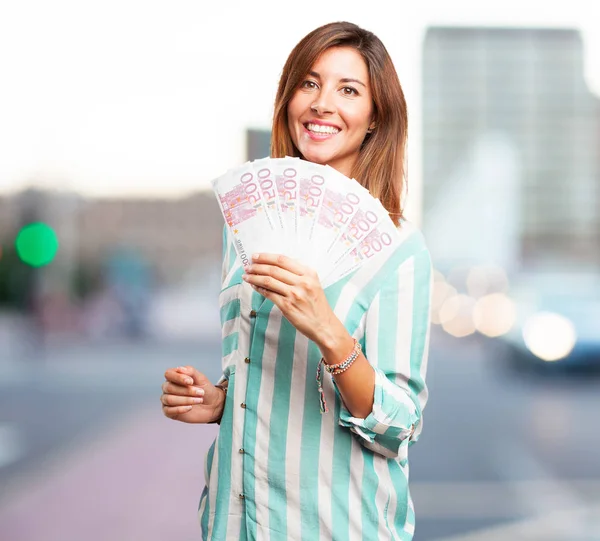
(152, 98)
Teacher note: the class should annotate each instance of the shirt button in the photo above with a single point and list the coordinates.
(241, 451)
(243, 405)
(247, 360)
(241, 496)
(252, 313)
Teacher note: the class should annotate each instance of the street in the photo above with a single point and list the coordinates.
(85, 451)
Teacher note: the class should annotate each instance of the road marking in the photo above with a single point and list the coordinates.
(11, 445)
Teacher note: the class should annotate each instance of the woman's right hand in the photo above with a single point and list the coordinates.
(188, 396)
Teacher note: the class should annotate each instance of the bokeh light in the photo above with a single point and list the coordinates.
(441, 292)
(456, 315)
(549, 336)
(494, 315)
(36, 244)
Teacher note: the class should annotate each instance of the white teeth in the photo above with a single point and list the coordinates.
(318, 128)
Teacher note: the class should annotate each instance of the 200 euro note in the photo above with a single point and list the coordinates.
(381, 240)
(245, 213)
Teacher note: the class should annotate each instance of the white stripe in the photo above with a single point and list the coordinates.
(236, 505)
(404, 326)
(391, 511)
(385, 490)
(355, 500)
(294, 436)
(231, 326)
(328, 423)
(372, 332)
(265, 406)
(424, 394)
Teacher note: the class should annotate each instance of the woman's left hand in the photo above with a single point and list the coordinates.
(296, 290)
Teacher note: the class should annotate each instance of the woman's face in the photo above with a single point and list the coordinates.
(329, 115)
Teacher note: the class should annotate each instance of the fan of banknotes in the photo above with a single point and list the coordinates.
(304, 210)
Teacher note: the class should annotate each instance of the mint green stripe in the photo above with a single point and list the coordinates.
(232, 256)
(236, 278)
(342, 447)
(230, 344)
(389, 305)
(225, 242)
(278, 428)
(421, 296)
(370, 481)
(207, 510)
(205, 513)
(401, 492)
(257, 350)
(230, 310)
(224, 466)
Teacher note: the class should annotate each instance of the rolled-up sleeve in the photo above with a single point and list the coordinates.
(396, 344)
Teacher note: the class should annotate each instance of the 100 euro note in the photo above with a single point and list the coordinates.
(245, 213)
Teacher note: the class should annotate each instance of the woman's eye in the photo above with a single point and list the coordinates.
(349, 91)
(309, 84)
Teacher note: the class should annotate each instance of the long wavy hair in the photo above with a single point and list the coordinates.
(380, 166)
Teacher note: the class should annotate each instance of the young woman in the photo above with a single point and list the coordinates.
(279, 468)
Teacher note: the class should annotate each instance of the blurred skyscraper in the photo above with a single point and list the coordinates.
(511, 148)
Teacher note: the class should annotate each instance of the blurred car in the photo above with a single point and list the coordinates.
(557, 324)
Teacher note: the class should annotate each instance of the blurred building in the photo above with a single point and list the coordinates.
(170, 235)
(511, 147)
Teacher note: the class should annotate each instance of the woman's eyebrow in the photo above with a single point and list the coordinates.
(343, 80)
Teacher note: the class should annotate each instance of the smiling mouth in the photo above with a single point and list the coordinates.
(319, 129)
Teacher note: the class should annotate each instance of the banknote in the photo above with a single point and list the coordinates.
(266, 181)
(382, 239)
(341, 200)
(366, 218)
(311, 189)
(244, 211)
(307, 211)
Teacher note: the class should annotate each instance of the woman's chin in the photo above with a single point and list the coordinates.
(322, 158)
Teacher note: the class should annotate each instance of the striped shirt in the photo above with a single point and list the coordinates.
(279, 469)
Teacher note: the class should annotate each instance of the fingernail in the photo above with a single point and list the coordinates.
(187, 408)
(189, 381)
(197, 400)
(244, 277)
(199, 392)
(255, 256)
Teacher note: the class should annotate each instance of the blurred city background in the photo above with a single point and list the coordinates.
(114, 118)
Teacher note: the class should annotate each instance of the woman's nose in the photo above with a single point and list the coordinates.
(323, 104)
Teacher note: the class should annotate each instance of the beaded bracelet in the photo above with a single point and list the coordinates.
(334, 370)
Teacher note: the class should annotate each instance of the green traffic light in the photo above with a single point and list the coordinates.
(37, 244)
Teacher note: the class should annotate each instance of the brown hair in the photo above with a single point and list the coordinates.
(380, 166)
